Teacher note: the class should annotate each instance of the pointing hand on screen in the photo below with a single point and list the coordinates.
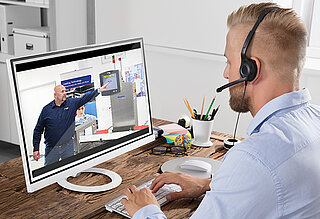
(104, 87)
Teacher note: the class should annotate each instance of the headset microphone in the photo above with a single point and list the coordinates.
(219, 89)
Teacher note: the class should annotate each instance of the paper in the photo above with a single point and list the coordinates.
(173, 129)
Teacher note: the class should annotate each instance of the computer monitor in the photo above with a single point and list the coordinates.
(111, 77)
(33, 79)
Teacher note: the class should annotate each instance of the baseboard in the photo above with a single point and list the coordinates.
(5, 143)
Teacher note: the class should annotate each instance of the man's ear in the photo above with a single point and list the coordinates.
(258, 63)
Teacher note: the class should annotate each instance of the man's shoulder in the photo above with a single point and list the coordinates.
(268, 148)
(49, 105)
(284, 135)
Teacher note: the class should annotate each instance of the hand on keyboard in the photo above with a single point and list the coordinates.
(192, 187)
(160, 196)
(137, 199)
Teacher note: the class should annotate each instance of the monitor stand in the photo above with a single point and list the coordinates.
(115, 181)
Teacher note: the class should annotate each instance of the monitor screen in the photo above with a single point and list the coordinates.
(65, 125)
(113, 80)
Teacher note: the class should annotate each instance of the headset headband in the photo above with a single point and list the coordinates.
(253, 30)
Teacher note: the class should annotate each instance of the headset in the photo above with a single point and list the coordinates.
(248, 67)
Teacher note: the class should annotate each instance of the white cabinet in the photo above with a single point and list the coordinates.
(66, 21)
(29, 41)
(15, 16)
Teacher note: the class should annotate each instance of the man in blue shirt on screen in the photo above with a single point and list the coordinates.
(275, 171)
(57, 121)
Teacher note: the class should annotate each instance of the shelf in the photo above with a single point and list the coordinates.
(23, 3)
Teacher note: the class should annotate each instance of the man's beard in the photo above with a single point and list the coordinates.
(236, 93)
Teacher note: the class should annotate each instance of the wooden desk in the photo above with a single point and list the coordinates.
(135, 167)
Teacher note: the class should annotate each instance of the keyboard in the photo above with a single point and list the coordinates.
(116, 206)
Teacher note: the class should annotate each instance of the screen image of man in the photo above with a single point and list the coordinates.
(57, 122)
(82, 117)
(275, 171)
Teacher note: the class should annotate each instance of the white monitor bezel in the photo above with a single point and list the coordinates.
(82, 164)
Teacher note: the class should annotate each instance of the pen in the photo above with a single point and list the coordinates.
(195, 113)
(214, 112)
(210, 108)
(204, 98)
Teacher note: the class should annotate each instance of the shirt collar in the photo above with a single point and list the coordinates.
(53, 104)
(277, 104)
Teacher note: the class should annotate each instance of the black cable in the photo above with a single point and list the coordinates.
(235, 129)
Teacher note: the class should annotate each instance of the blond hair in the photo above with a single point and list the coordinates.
(280, 38)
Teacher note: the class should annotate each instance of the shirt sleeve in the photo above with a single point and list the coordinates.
(239, 190)
(149, 212)
(86, 98)
(37, 132)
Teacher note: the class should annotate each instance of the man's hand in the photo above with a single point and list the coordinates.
(137, 199)
(104, 87)
(192, 187)
(36, 155)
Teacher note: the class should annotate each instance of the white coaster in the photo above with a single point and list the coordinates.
(207, 144)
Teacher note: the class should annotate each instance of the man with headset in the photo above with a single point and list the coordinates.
(275, 171)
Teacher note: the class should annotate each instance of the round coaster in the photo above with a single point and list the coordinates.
(206, 144)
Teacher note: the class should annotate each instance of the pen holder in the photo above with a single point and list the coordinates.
(202, 131)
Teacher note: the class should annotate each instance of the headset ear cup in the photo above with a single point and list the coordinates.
(253, 70)
(248, 69)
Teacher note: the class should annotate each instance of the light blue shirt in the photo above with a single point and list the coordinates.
(274, 172)
(81, 120)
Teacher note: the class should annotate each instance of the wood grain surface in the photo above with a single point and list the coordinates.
(135, 167)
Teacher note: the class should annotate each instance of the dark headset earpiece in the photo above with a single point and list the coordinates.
(248, 68)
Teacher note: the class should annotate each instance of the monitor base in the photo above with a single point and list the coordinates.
(115, 182)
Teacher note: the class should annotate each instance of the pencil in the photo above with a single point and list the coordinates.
(189, 108)
(209, 108)
(204, 98)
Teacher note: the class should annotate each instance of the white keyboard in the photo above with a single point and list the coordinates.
(116, 206)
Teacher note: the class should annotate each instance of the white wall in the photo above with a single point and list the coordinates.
(8, 127)
(194, 25)
(175, 75)
(196, 31)
(184, 46)
(4, 128)
(184, 51)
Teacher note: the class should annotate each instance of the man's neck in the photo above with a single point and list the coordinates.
(58, 103)
(265, 94)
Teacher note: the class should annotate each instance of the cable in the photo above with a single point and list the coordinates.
(235, 129)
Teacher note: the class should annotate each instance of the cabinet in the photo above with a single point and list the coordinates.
(14, 15)
(66, 21)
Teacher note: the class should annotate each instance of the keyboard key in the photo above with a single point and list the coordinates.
(116, 205)
(162, 201)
